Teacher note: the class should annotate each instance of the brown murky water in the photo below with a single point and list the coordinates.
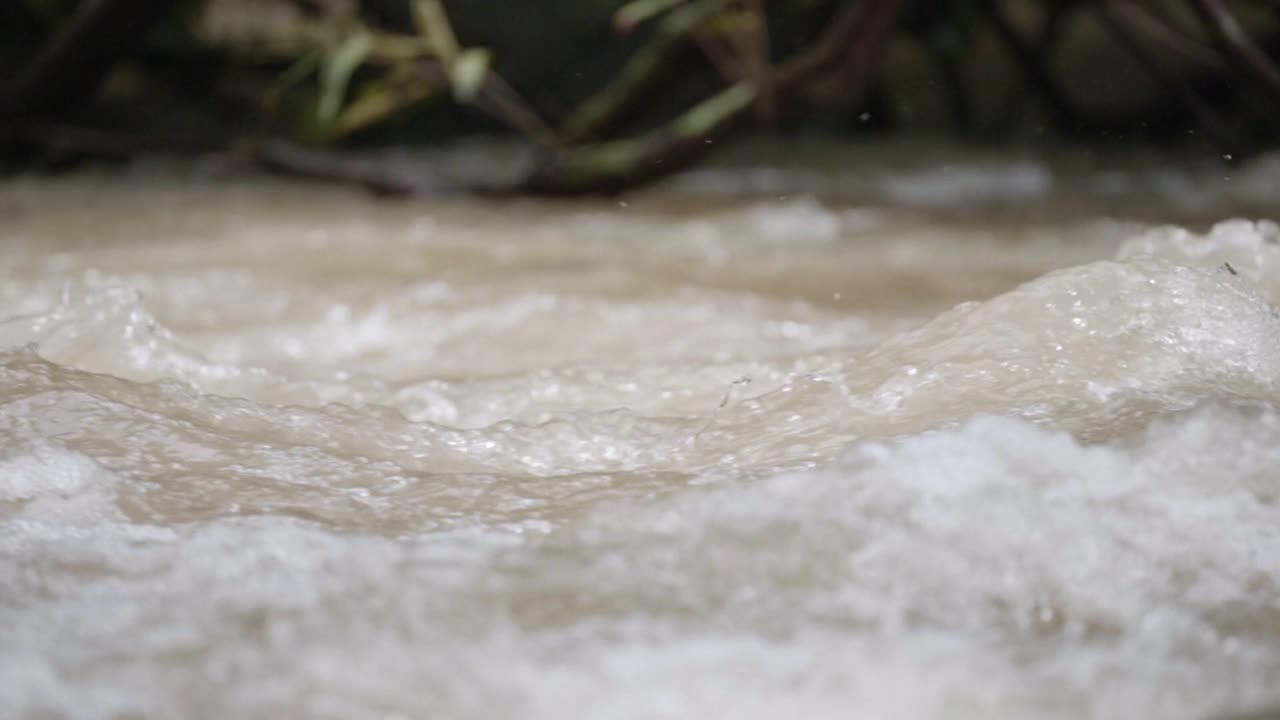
(977, 441)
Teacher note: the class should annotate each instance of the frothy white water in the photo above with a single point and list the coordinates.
(270, 456)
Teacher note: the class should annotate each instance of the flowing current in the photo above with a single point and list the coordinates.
(269, 450)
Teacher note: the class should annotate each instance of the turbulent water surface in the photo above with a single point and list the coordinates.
(276, 451)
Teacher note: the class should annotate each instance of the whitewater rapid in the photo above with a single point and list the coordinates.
(271, 451)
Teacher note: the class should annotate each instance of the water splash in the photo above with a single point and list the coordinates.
(338, 459)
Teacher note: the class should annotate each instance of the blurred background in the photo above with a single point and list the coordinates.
(608, 94)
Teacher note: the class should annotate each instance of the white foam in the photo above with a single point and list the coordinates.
(45, 470)
(1238, 246)
(630, 465)
(990, 571)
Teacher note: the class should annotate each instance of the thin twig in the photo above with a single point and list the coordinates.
(1132, 36)
(827, 51)
(644, 75)
(1034, 66)
(863, 55)
(760, 63)
(510, 106)
(851, 46)
(500, 100)
(296, 161)
(1227, 30)
(722, 57)
(1141, 21)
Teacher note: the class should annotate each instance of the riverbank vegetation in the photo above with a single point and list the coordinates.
(614, 94)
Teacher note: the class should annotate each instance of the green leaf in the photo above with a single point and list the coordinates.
(379, 100)
(398, 48)
(298, 71)
(634, 13)
(468, 72)
(336, 72)
(433, 25)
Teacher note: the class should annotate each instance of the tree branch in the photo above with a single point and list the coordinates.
(1227, 30)
(1141, 21)
(640, 77)
(295, 161)
(1130, 31)
(851, 45)
(1034, 67)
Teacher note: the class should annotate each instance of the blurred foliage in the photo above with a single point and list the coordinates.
(602, 85)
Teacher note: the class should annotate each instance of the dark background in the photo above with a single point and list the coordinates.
(110, 79)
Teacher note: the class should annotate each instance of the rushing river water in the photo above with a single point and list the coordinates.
(970, 442)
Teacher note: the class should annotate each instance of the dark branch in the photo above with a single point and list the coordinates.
(1226, 29)
(1132, 32)
(1035, 67)
(850, 48)
(643, 75)
(295, 161)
